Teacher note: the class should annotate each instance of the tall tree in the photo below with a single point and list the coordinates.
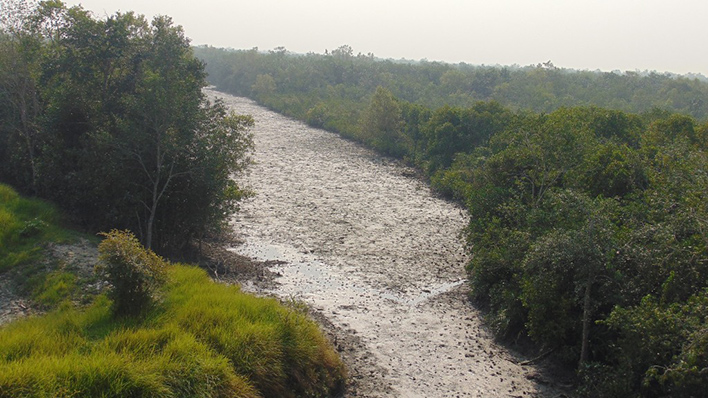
(122, 132)
(19, 99)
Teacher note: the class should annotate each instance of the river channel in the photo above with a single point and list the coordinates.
(367, 245)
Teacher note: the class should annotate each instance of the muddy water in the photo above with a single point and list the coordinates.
(377, 254)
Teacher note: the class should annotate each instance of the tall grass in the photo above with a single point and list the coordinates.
(278, 348)
(204, 339)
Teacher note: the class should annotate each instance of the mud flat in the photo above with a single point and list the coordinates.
(378, 257)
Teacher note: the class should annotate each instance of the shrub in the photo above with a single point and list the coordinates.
(133, 271)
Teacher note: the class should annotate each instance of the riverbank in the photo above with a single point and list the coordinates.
(378, 255)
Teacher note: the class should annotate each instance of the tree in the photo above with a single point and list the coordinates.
(452, 130)
(264, 86)
(159, 128)
(19, 99)
(118, 129)
(382, 123)
(568, 271)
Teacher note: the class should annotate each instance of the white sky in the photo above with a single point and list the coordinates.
(660, 35)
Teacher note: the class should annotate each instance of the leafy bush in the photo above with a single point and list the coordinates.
(595, 245)
(664, 347)
(134, 272)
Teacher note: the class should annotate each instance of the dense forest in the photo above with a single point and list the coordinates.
(586, 193)
(107, 119)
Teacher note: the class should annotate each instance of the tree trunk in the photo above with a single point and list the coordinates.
(150, 222)
(586, 324)
(28, 134)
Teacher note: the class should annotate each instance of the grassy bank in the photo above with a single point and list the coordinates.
(200, 338)
(25, 224)
(204, 339)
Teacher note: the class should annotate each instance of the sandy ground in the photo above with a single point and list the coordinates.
(379, 259)
(12, 305)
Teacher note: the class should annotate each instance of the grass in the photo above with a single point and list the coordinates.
(25, 224)
(72, 353)
(199, 339)
(52, 288)
(203, 339)
(26, 227)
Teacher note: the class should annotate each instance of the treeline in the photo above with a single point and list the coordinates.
(588, 225)
(304, 81)
(107, 119)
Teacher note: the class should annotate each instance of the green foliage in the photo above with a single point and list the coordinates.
(455, 182)
(540, 88)
(612, 170)
(107, 119)
(317, 116)
(264, 86)
(204, 340)
(381, 124)
(451, 131)
(570, 224)
(663, 346)
(135, 273)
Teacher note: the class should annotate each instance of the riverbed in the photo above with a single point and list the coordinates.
(377, 256)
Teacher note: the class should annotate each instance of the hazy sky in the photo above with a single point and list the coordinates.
(661, 35)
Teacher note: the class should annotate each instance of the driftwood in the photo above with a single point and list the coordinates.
(538, 358)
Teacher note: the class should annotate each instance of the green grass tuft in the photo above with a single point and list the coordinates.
(54, 288)
(7, 194)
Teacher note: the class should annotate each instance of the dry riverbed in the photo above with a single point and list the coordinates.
(379, 259)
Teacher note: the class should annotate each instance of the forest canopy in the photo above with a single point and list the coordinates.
(305, 80)
(106, 118)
